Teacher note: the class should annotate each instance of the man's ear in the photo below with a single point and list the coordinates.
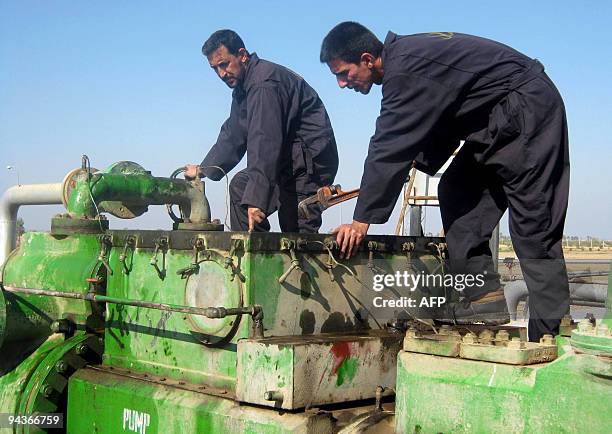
(243, 54)
(368, 60)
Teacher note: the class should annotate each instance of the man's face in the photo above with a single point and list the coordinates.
(358, 77)
(229, 67)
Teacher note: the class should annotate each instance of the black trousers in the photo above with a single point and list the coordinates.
(292, 191)
(519, 162)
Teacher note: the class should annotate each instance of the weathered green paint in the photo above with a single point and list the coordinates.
(160, 342)
(56, 263)
(346, 371)
(14, 381)
(304, 371)
(570, 394)
(128, 195)
(97, 402)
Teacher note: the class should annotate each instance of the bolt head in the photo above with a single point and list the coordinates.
(516, 344)
(47, 390)
(502, 335)
(603, 330)
(470, 338)
(61, 367)
(547, 340)
(585, 326)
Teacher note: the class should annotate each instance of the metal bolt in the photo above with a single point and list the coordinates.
(273, 395)
(47, 390)
(470, 338)
(585, 326)
(61, 367)
(603, 330)
(502, 337)
(61, 326)
(486, 337)
(547, 340)
(81, 349)
(516, 344)
(566, 321)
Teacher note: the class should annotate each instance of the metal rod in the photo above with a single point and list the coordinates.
(415, 198)
(209, 312)
(578, 302)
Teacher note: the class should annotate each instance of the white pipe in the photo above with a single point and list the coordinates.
(12, 199)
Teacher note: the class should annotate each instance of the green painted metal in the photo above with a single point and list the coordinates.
(302, 371)
(106, 403)
(165, 343)
(13, 381)
(45, 261)
(126, 193)
(570, 394)
(38, 384)
(46, 387)
(202, 350)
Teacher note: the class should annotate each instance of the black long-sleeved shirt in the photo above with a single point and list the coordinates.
(438, 88)
(279, 121)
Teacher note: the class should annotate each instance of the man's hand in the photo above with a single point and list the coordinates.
(256, 216)
(350, 236)
(192, 171)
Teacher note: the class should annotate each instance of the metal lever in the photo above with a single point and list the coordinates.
(105, 242)
(161, 244)
(289, 245)
(129, 243)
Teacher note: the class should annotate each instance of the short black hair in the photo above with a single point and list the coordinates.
(348, 41)
(226, 37)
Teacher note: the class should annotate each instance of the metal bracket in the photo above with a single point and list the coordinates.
(105, 245)
(130, 243)
(290, 246)
(160, 245)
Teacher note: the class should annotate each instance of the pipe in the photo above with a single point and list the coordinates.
(209, 312)
(137, 189)
(12, 199)
(579, 292)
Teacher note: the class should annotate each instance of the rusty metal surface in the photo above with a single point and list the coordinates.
(299, 372)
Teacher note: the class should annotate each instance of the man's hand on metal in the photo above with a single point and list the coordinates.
(350, 236)
(256, 216)
(192, 171)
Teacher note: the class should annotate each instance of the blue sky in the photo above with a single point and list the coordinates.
(127, 81)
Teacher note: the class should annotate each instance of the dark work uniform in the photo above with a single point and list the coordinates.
(440, 88)
(278, 120)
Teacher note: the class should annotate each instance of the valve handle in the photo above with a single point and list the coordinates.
(174, 217)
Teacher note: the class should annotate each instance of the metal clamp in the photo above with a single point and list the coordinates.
(160, 245)
(290, 246)
(105, 246)
(130, 243)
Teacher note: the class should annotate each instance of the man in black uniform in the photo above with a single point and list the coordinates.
(438, 89)
(278, 120)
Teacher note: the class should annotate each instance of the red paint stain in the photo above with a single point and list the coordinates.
(341, 352)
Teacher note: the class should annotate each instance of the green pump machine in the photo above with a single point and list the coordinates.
(197, 329)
